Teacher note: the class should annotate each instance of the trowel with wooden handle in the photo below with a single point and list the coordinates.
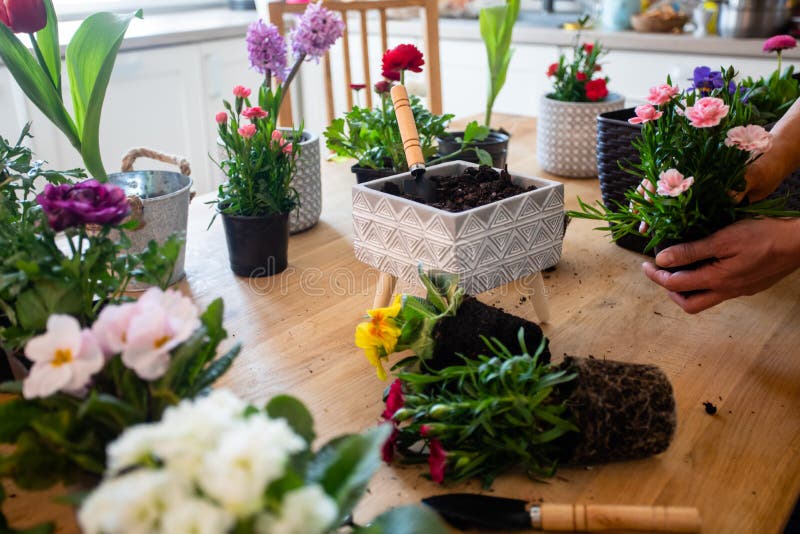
(417, 186)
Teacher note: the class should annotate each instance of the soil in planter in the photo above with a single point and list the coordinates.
(461, 334)
(476, 187)
(624, 411)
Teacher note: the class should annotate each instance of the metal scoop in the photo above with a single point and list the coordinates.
(418, 185)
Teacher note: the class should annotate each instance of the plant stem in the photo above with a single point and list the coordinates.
(290, 77)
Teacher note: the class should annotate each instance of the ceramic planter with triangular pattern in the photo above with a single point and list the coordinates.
(488, 246)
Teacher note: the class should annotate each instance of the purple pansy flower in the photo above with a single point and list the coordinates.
(267, 49)
(88, 202)
(706, 80)
(317, 29)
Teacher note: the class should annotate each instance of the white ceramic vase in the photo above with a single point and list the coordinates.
(567, 135)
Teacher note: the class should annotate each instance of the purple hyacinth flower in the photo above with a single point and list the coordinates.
(267, 49)
(317, 29)
(88, 202)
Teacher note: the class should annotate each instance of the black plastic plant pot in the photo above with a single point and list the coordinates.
(366, 174)
(5, 367)
(496, 144)
(257, 246)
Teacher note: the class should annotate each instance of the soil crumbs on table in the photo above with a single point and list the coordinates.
(710, 408)
(478, 186)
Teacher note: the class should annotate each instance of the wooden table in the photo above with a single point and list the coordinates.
(740, 467)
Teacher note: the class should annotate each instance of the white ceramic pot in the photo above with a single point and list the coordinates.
(567, 135)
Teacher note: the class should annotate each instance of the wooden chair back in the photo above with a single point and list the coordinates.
(429, 11)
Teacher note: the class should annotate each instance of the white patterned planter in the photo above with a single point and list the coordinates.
(567, 135)
(308, 183)
(488, 246)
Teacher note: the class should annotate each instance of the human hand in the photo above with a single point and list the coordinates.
(748, 256)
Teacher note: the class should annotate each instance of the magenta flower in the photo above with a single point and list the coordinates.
(645, 114)
(383, 87)
(707, 112)
(777, 43)
(317, 29)
(661, 94)
(254, 113)
(247, 131)
(394, 400)
(221, 117)
(88, 202)
(266, 48)
(752, 138)
(437, 460)
(241, 92)
(672, 183)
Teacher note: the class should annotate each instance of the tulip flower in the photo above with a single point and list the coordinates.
(23, 16)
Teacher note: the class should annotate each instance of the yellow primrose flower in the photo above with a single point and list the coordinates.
(378, 336)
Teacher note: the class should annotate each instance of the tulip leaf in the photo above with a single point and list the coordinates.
(91, 55)
(47, 39)
(36, 83)
(496, 26)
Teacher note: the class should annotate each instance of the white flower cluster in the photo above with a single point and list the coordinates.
(207, 466)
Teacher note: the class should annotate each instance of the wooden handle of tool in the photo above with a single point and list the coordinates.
(408, 128)
(602, 518)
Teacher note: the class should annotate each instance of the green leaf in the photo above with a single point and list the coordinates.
(345, 466)
(217, 369)
(295, 413)
(410, 519)
(91, 55)
(47, 38)
(15, 416)
(484, 157)
(36, 84)
(475, 132)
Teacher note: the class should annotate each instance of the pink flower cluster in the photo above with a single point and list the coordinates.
(661, 94)
(645, 114)
(143, 332)
(751, 138)
(278, 137)
(672, 183)
(707, 112)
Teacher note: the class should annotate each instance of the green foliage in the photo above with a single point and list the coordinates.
(63, 438)
(90, 59)
(771, 97)
(497, 25)
(490, 414)
(412, 519)
(472, 133)
(37, 277)
(671, 142)
(259, 171)
(372, 136)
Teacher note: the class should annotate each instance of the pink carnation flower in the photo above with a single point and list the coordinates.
(247, 131)
(776, 43)
(221, 117)
(254, 113)
(672, 183)
(707, 112)
(241, 91)
(645, 114)
(661, 94)
(752, 138)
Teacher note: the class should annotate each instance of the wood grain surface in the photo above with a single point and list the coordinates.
(740, 467)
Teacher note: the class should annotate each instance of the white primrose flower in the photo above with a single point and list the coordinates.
(146, 331)
(131, 504)
(249, 456)
(184, 435)
(306, 510)
(196, 516)
(64, 358)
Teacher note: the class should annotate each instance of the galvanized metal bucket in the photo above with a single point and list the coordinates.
(160, 201)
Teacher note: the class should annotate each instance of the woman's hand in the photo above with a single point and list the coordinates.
(748, 256)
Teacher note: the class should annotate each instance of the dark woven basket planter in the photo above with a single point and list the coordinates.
(615, 136)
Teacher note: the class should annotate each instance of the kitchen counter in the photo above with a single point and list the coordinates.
(219, 23)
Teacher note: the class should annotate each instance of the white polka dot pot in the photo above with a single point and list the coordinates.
(567, 135)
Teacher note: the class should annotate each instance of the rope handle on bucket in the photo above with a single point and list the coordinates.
(141, 152)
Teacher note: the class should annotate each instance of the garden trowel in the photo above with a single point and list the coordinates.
(417, 186)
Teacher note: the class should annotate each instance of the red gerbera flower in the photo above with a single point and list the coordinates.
(552, 69)
(437, 460)
(596, 89)
(383, 86)
(400, 58)
(357, 86)
(580, 76)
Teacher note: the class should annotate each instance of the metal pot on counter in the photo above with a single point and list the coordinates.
(753, 18)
